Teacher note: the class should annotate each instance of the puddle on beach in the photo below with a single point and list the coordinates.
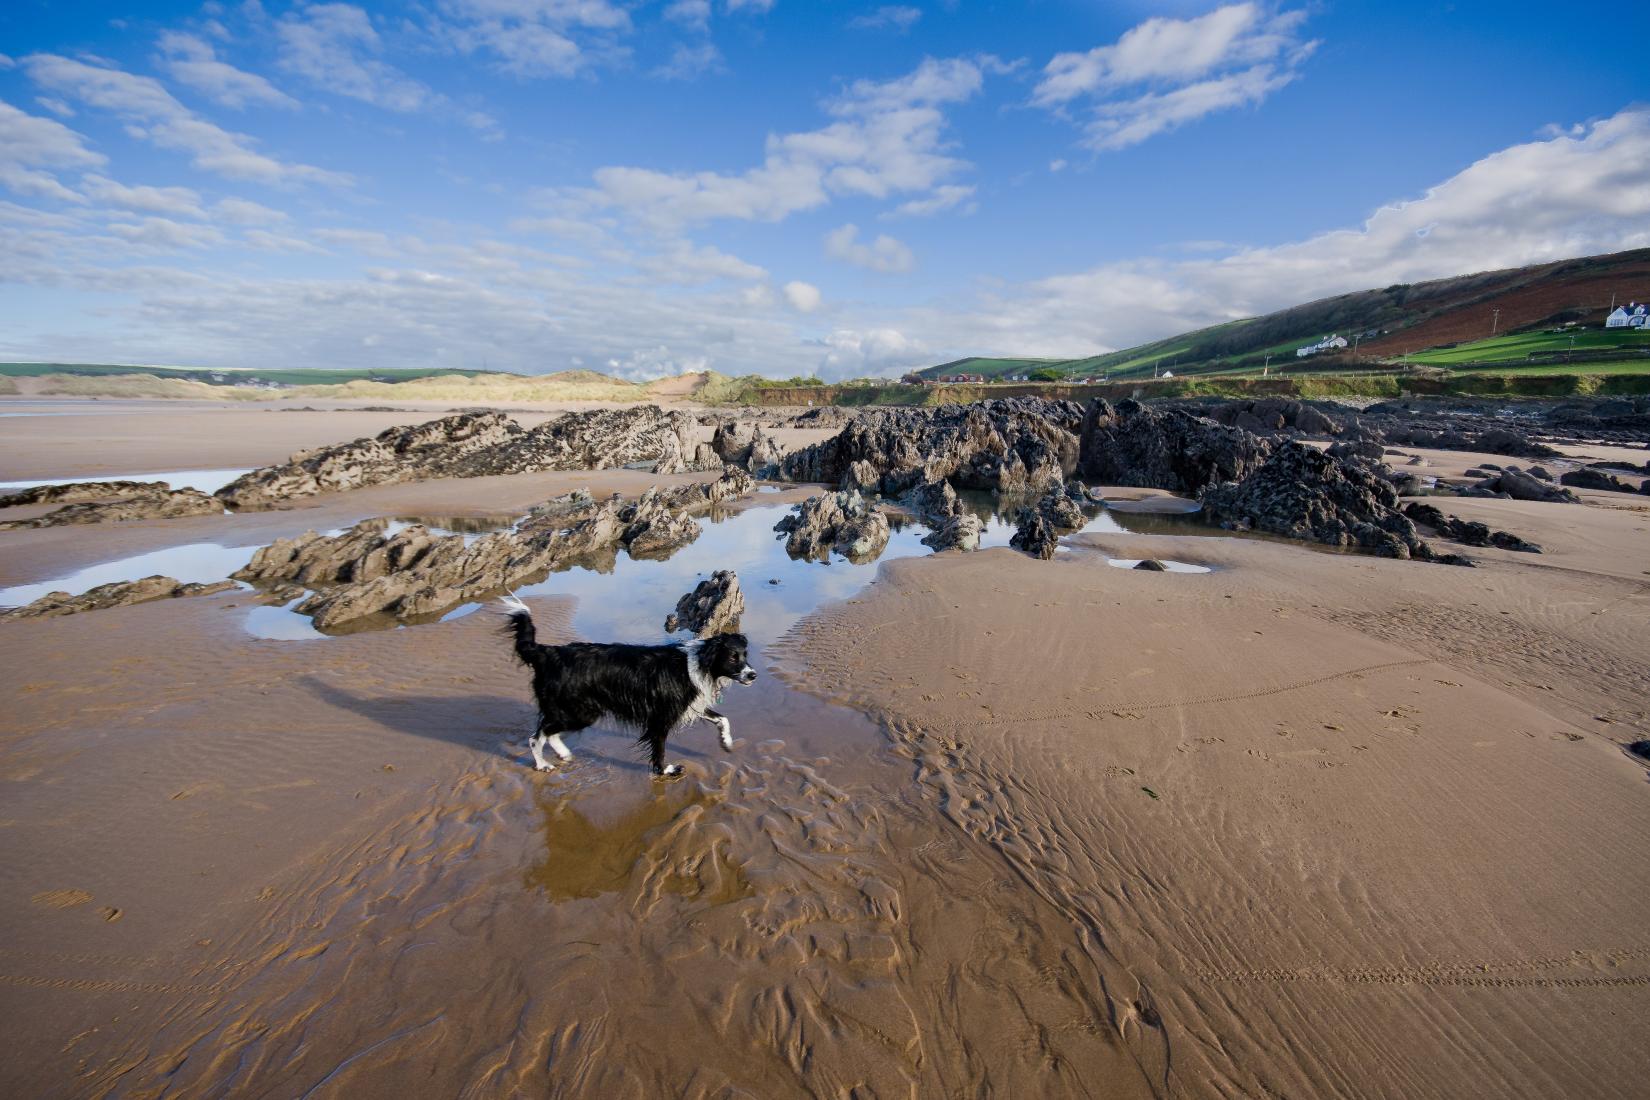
(1168, 566)
(626, 598)
(207, 481)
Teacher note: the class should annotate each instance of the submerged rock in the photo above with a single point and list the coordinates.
(840, 521)
(116, 594)
(474, 445)
(1133, 444)
(713, 607)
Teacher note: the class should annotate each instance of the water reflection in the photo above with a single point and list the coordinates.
(207, 481)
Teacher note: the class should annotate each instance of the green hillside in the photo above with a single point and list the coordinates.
(1522, 345)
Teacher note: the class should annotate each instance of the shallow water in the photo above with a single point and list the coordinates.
(207, 481)
(1168, 566)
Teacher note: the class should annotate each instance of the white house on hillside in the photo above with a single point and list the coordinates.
(1631, 315)
(1328, 343)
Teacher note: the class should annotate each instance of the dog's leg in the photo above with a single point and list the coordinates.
(655, 737)
(724, 729)
(559, 747)
(537, 745)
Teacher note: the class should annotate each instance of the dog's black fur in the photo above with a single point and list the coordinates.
(654, 689)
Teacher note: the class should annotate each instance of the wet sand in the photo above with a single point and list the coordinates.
(1310, 824)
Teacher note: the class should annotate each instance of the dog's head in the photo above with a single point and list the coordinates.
(724, 656)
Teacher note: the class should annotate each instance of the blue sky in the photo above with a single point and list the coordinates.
(774, 186)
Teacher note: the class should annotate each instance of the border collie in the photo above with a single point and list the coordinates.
(655, 688)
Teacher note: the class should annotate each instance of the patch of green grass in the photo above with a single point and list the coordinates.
(1522, 345)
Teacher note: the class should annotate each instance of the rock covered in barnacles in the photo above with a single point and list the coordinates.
(116, 594)
(1467, 531)
(713, 607)
(475, 445)
(1034, 534)
(1019, 444)
(840, 521)
(1134, 444)
(110, 502)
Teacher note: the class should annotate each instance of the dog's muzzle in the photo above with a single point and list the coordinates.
(747, 675)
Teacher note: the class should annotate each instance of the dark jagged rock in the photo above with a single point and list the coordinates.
(1518, 485)
(1268, 416)
(951, 526)
(1595, 479)
(1034, 534)
(362, 573)
(840, 521)
(474, 445)
(134, 500)
(1466, 531)
(1363, 449)
(1020, 444)
(1307, 494)
(116, 594)
(1133, 444)
(1641, 468)
(713, 607)
(1151, 565)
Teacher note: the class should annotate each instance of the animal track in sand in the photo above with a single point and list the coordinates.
(61, 899)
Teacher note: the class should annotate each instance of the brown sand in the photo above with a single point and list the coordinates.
(1310, 825)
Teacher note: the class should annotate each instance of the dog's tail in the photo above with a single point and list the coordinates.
(519, 628)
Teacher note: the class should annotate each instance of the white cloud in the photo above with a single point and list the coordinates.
(152, 114)
(193, 61)
(265, 241)
(897, 17)
(690, 265)
(247, 212)
(759, 7)
(335, 46)
(1574, 194)
(34, 149)
(884, 254)
(887, 140)
(852, 353)
(1166, 72)
(943, 198)
(536, 38)
(164, 234)
(689, 13)
(803, 297)
(690, 60)
(180, 202)
(55, 106)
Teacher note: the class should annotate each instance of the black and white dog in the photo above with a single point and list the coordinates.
(655, 688)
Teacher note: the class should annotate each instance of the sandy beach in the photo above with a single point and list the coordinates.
(1307, 824)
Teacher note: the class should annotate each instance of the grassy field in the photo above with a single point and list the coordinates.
(1522, 345)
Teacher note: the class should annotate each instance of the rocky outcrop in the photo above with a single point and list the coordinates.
(80, 491)
(1016, 445)
(1304, 493)
(475, 445)
(1466, 531)
(1596, 479)
(713, 607)
(1269, 416)
(1515, 483)
(364, 574)
(116, 594)
(744, 444)
(132, 500)
(951, 525)
(1034, 534)
(840, 521)
(1133, 444)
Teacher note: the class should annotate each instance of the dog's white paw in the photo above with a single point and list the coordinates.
(544, 767)
(672, 771)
